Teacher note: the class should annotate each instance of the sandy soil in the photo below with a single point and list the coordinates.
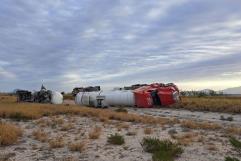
(205, 145)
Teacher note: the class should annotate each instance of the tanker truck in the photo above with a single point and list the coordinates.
(145, 96)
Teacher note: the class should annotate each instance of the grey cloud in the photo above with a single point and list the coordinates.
(73, 43)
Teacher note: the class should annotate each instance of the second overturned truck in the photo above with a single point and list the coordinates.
(145, 96)
(42, 96)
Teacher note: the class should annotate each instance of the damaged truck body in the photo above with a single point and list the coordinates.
(42, 96)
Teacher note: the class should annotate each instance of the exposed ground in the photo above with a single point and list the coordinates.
(69, 132)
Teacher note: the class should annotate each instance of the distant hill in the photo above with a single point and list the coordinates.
(234, 90)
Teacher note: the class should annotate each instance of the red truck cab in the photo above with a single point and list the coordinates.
(156, 95)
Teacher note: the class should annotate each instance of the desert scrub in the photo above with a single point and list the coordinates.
(236, 144)
(95, 133)
(131, 133)
(185, 138)
(9, 134)
(121, 126)
(162, 150)
(231, 159)
(116, 139)
(230, 118)
(200, 125)
(40, 135)
(57, 142)
(233, 130)
(67, 127)
(79, 146)
(148, 131)
(121, 110)
(214, 104)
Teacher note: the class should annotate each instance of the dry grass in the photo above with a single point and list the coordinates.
(233, 130)
(69, 158)
(26, 111)
(67, 126)
(11, 109)
(57, 121)
(7, 99)
(212, 147)
(148, 131)
(121, 126)
(200, 125)
(57, 142)
(95, 133)
(214, 104)
(40, 135)
(79, 146)
(131, 133)
(186, 138)
(9, 133)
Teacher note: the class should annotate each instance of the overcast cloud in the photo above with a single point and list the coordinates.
(68, 43)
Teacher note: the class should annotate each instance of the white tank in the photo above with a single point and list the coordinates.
(119, 98)
(105, 98)
(86, 98)
(56, 98)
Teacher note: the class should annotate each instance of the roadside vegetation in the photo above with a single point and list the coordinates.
(28, 111)
(116, 139)
(59, 127)
(9, 134)
(212, 104)
(236, 144)
(162, 150)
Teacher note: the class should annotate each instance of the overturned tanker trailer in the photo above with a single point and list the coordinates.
(146, 96)
(42, 96)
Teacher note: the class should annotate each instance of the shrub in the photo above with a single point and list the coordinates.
(148, 131)
(79, 146)
(121, 110)
(116, 139)
(122, 126)
(233, 130)
(214, 104)
(95, 133)
(230, 118)
(231, 159)
(172, 132)
(9, 133)
(235, 143)
(199, 125)
(162, 150)
(67, 126)
(40, 135)
(185, 138)
(131, 133)
(56, 143)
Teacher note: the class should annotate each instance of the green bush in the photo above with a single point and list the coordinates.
(230, 159)
(162, 150)
(235, 143)
(116, 139)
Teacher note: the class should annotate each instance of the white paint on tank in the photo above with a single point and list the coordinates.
(56, 98)
(86, 98)
(110, 98)
(119, 98)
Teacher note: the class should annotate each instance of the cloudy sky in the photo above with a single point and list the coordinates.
(66, 43)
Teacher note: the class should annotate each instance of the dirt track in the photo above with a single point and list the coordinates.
(193, 115)
(183, 114)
